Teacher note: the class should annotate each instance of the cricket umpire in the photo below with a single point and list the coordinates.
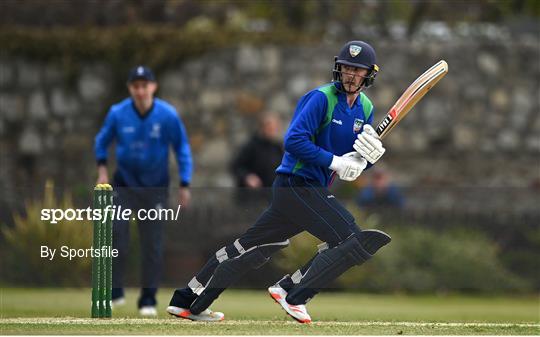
(144, 128)
(330, 134)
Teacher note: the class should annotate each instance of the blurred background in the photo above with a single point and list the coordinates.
(458, 189)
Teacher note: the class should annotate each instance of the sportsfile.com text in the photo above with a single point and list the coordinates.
(114, 212)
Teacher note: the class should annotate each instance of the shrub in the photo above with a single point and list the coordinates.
(22, 263)
(421, 260)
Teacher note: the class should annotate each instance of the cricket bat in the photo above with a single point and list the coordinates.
(411, 96)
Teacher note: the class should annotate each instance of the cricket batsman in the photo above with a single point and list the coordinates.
(330, 134)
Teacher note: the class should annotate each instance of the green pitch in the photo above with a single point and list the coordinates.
(66, 311)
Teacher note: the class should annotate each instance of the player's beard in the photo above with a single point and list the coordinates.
(351, 87)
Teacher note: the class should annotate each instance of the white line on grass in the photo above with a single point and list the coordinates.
(150, 321)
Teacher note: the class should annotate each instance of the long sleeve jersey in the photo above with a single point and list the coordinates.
(323, 125)
(142, 144)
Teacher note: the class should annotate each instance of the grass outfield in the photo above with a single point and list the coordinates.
(66, 311)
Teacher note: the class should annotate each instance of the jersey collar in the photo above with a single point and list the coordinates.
(141, 116)
(342, 97)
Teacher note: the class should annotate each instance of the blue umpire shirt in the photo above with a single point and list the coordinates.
(142, 144)
(310, 144)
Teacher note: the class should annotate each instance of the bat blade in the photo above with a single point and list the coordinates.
(411, 96)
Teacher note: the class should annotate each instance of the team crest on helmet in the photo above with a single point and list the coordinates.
(357, 125)
(354, 50)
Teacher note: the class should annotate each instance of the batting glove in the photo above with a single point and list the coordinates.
(349, 166)
(369, 145)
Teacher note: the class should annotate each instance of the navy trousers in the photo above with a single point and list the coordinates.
(150, 237)
(298, 204)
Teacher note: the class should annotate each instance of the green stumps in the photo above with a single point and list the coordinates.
(102, 248)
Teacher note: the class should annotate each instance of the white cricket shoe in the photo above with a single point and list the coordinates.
(298, 312)
(148, 311)
(205, 316)
(118, 302)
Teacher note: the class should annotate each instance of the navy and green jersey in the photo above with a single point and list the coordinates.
(323, 125)
(143, 142)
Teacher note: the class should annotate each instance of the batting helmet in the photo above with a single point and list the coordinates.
(356, 54)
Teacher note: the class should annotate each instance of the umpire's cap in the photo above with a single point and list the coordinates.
(141, 72)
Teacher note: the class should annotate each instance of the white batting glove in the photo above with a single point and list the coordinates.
(349, 166)
(369, 145)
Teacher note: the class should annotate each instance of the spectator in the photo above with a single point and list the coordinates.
(257, 160)
(380, 192)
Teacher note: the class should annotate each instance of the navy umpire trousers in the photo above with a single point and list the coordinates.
(150, 237)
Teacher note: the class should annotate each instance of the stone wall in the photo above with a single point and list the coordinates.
(480, 126)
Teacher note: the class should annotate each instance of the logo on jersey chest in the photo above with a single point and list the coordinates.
(128, 129)
(156, 131)
(357, 126)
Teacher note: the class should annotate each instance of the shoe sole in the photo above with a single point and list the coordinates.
(303, 321)
(187, 313)
(179, 316)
